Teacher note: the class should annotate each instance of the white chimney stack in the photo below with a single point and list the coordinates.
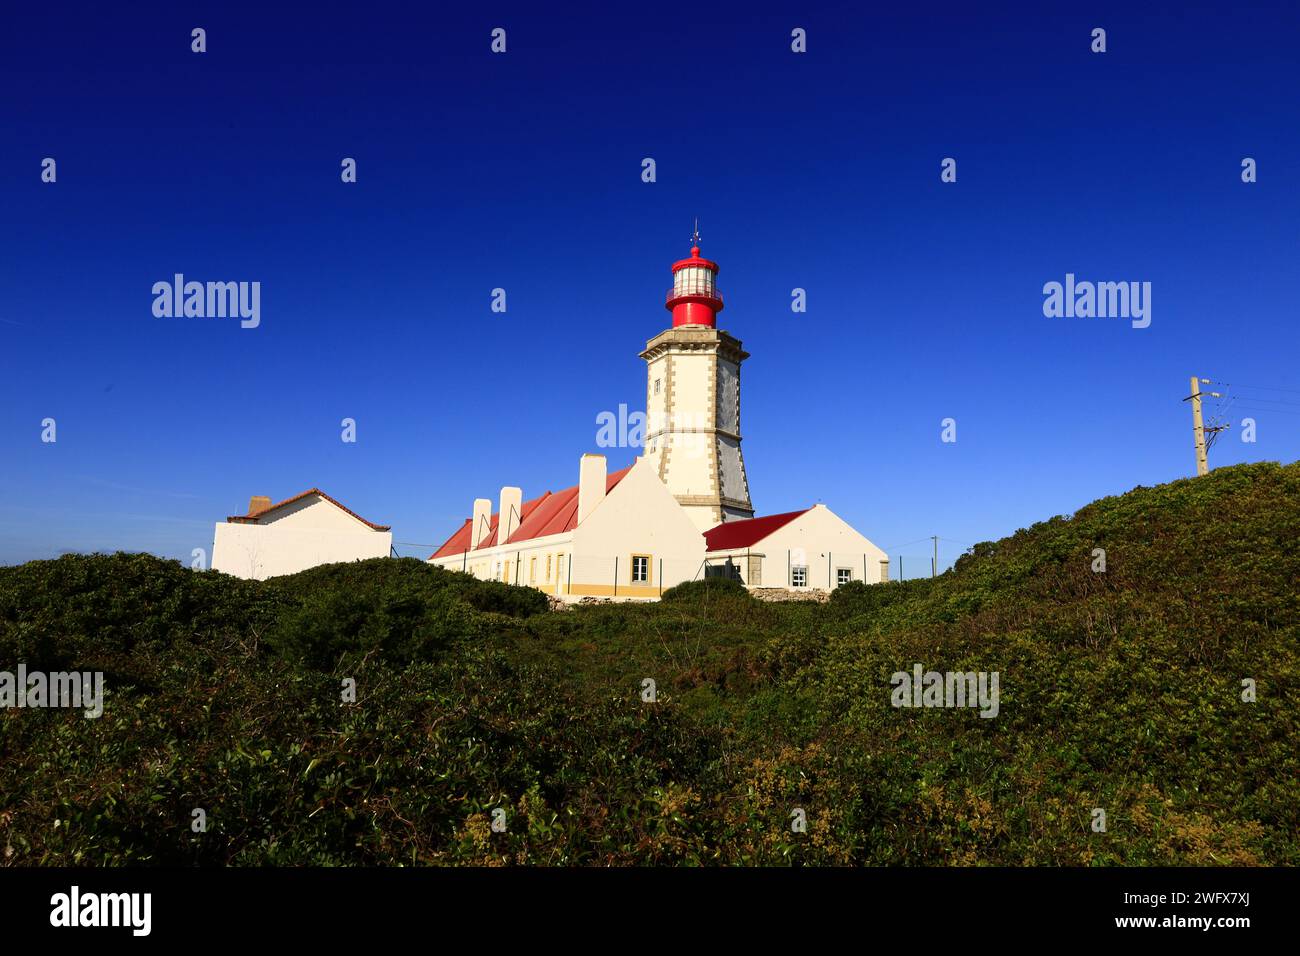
(482, 521)
(591, 485)
(512, 504)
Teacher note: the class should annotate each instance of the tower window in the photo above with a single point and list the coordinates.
(656, 386)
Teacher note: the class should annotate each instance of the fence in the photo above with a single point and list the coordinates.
(625, 576)
(793, 568)
(632, 575)
(906, 567)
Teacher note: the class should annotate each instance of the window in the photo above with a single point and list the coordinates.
(640, 569)
(532, 570)
(727, 569)
(548, 567)
(843, 576)
(799, 577)
(656, 386)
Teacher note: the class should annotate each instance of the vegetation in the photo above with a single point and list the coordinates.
(1120, 690)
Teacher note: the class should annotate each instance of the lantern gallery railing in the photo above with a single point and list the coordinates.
(693, 288)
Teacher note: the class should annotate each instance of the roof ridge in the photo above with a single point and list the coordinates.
(253, 518)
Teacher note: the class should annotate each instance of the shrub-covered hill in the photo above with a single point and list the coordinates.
(1120, 691)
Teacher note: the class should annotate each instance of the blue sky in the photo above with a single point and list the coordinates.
(523, 171)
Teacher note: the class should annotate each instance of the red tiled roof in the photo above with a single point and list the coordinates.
(456, 543)
(552, 513)
(747, 532)
(254, 518)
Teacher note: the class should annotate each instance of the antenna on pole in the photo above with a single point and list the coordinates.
(695, 236)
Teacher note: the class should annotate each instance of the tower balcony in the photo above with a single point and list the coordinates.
(693, 290)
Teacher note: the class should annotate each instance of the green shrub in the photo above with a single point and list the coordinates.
(857, 598)
(1120, 689)
(704, 589)
(410, 577)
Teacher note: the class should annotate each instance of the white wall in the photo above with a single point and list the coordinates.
(313, 512)
(299, 536)
(639, 517)
(484, 563)
(690, 463)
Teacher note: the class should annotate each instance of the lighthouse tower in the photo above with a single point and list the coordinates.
(693, 400)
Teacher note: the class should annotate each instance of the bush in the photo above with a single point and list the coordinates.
(410, 577)
(93, 610)
(396, 610)
(1120, 689)
(705, 589)
(856, 597)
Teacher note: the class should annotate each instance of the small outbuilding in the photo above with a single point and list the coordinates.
(813, 549)
(298, 533)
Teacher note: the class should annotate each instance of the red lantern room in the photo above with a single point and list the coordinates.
(694, 298)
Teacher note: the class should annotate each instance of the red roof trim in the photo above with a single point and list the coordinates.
(552, 513)
(254, 518)
(456, 543)
(746, 532)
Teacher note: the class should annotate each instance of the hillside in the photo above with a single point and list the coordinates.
(1119, 690)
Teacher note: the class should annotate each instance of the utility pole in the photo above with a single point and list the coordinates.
(1198, 428)
(1198, 424)
(934, 567)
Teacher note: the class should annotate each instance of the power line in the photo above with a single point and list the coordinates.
(895, 547)
(1269, 388)
(1279, 411)
(1271, 401)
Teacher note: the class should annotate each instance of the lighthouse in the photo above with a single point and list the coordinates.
(681, 509)
(693, 399)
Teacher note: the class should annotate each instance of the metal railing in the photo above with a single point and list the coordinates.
(695, 289)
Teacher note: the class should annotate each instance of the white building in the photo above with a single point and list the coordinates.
(682, 510)
(814, 548)
(298, 533)
(611, 535)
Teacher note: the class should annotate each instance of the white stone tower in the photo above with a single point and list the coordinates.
(693, 400)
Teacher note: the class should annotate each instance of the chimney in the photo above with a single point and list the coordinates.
(512, 503)
(258, 504)
(591, 484)
(482, 521)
